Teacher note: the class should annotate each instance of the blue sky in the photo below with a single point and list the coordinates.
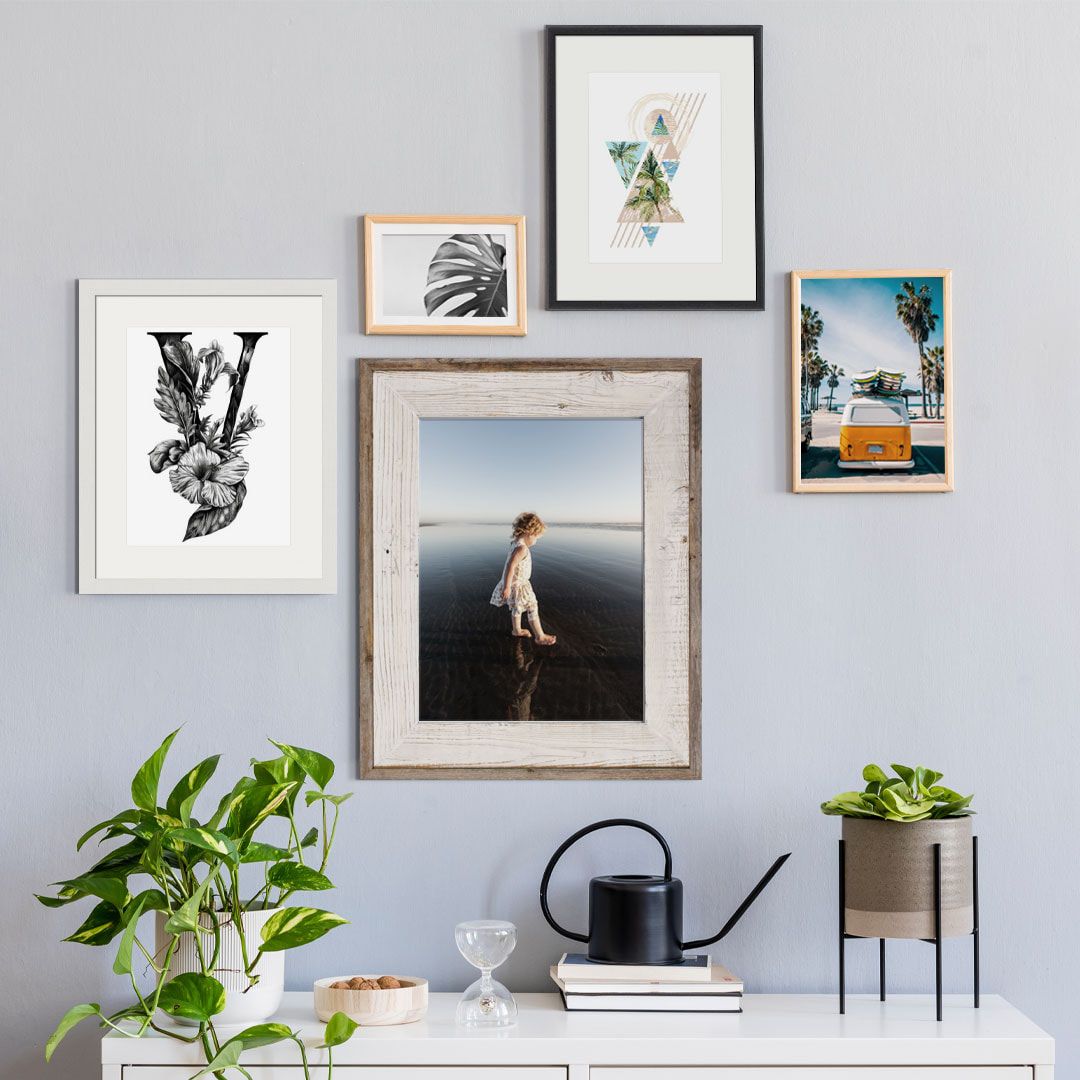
(564, 470)
(861, 328)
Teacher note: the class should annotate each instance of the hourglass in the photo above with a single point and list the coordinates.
(486, 943)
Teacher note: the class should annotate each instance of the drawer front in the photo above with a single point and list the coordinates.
(838, 1072)
(363, 1072)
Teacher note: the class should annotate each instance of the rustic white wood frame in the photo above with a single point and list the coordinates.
(394, 397)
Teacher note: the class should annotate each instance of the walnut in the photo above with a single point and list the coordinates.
(341, 984)
(358, 983)
(388, 982)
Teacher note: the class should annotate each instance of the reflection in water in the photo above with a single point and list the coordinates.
(588, 581)
(528, 663)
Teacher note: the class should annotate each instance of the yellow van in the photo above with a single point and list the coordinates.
(875, 433)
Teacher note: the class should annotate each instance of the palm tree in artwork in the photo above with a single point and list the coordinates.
(914, 309)
(936, 356)
(810, 330)
(834, 371)
(815, 372)
(625, 156)
(652, 195)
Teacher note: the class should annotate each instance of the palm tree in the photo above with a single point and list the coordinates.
(936, 356)
(815, 371)
(625, 156)
(810, 330)
(651, 192)
(914, 310)
(834, 372)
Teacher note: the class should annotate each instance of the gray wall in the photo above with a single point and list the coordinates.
(244, 141)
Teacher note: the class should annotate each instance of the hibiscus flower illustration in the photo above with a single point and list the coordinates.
(202, 477)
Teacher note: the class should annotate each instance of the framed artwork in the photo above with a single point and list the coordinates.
(207, 437)
(871, 380)
(654, 167)
(529, 569)
(444, 275)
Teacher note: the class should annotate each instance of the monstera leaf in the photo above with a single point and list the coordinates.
(470, 268)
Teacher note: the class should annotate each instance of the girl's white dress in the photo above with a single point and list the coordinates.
(522, 598)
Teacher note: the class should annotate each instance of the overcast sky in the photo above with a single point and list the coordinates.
(563, 470)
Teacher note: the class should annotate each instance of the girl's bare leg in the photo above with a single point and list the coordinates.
(516, 629)
(538, 630)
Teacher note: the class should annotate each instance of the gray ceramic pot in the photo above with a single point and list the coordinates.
(889, 877)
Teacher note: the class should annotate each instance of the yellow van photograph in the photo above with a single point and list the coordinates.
(871, 380)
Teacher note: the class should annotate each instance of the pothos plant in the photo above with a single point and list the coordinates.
(191, 869)
(914, 794)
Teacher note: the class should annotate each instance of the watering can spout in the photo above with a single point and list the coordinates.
(741, 910)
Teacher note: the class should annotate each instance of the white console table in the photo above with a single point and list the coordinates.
(776, 1037)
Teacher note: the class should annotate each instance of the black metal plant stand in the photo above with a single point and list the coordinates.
(936, 940)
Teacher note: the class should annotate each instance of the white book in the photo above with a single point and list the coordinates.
(721, 982)
(576, 967)
(682, 1003)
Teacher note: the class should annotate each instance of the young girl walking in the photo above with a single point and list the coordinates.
(514, 590)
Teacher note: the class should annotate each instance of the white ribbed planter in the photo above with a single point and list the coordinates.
(242, 1005)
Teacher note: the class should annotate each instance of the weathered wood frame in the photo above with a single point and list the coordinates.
(812, 487)
(394, 396)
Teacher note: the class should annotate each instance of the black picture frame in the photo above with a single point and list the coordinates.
(552, 301)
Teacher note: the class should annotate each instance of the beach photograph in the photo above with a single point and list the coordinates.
(871, 381)
(531, 569)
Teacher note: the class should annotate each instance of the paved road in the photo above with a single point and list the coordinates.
(820, 459)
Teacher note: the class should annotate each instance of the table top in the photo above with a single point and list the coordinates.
(776, 1029)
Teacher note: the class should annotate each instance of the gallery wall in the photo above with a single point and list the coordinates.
(186, 140)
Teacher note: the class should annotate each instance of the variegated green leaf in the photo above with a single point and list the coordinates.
(292, 927)
(144, 788)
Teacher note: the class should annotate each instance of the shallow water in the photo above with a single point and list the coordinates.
(588, 583)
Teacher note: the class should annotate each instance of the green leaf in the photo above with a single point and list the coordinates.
(254, 805)
(874, 772)
(144, 788)
(100, 927)
(104, 886)
(339, 1029)
(186, 917)
(311, 797)
(122, 962)
(908, 776)
(71, 1018)
(292, 927)
(192, 996)
(309, 838)
(226, 1058)
(319, 767)
(208, 840)
(65, 896)
(257, 852)
(281, 770)
(225, 806)
(262, 1035)
(125, 817)
(182, 797)
(293, 877)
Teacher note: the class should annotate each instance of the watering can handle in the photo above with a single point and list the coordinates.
(571, 840)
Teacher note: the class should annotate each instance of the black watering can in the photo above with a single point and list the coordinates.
(637, 918)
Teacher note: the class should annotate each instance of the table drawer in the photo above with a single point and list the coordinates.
(838, 1072)
(362, 1072)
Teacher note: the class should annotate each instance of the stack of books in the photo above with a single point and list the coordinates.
(695, 985)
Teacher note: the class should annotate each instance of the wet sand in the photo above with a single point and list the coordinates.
(588, 582)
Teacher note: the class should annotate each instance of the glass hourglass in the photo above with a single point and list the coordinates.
(486, 943)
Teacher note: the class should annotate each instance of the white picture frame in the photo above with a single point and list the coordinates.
(395, 395)
(132, 536)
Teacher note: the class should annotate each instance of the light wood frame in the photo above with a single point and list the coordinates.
(517, 328)
(800, 486)
(394, 396)
(89, 292)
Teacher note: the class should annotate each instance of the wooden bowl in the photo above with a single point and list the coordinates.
(373, 1008)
